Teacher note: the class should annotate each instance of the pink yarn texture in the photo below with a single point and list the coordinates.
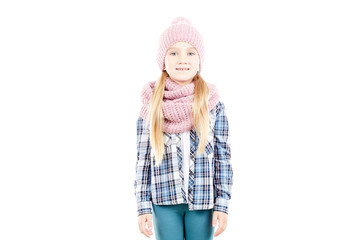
(176, 105)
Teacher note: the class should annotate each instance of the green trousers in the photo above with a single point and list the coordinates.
(177, 222)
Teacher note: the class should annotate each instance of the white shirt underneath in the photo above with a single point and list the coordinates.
(186, 159)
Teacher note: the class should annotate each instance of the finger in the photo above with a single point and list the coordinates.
(214, 220)
(144, 231)
(142, 228)
(150, 224)
(220, 229)
(149, 227)
(140, 224)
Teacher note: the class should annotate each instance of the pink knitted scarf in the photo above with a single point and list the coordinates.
(176, 105)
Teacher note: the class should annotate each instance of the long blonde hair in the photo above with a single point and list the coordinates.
(200, 113)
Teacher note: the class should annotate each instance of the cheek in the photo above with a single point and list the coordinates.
(196, 63)
(196, 60)
(168, 60)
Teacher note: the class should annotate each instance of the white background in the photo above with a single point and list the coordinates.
(71, 74)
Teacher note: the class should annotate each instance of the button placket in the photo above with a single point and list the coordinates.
(192, 169)
(180, 163)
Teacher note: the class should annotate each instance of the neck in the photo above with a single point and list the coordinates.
(182, 83)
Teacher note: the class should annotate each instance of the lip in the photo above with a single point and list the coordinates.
(182, 69)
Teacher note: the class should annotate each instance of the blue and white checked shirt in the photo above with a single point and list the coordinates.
(210, 173)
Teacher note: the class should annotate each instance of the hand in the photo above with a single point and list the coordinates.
(222, 218)
(142, 220)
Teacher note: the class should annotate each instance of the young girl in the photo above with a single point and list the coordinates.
(183, 169)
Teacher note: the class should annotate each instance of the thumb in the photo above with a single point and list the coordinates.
(214, 220)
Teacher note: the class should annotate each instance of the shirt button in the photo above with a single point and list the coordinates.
(191, 173)
(190, 189)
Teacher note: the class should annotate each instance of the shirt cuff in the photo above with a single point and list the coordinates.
(221, 205)
(144, 208)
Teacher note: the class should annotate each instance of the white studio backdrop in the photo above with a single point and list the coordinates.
(71, 73)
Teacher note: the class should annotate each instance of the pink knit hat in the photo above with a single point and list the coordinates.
(181, 30)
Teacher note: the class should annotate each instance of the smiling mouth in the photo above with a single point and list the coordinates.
(182, 69)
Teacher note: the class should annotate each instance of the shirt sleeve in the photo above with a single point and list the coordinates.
(143, 168)
(223, 175)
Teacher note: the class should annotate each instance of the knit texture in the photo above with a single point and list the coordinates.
(176, 105)
(181, 30)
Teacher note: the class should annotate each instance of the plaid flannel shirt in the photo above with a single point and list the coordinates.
(210, 173)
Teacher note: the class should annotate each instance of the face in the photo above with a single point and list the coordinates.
(182, 62)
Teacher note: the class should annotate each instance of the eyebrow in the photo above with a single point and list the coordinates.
(187, 48)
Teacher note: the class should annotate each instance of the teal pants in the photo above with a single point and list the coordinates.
(176, 222)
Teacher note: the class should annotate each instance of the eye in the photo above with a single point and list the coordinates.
(192, 53)
(172, 53)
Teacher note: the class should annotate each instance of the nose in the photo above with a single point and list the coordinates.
(182, 58)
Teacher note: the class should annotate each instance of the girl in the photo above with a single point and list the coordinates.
(183, 169)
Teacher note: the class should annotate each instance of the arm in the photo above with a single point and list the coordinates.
(222, 154)
(143, 168)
